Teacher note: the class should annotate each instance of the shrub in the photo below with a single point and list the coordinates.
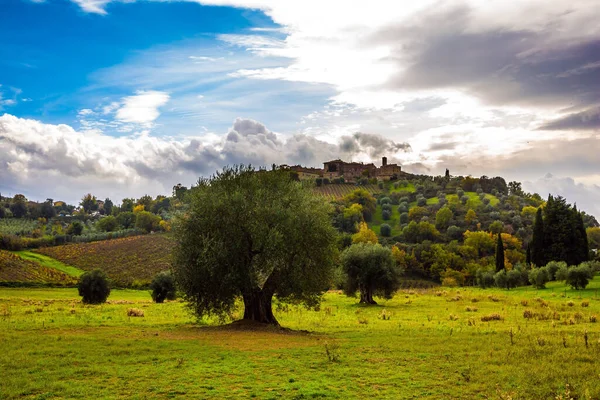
(500, 279)
(464, 199)
(514, 278)
(93, 287)
(421, 201)
(404, 218)
(561, 273)
(579, 277)
(385, 230)
(485, 279)
(552, 267)
(386, 215)
(402, 208)
(107, 224)
(76, 228)
(163, 287)
(386, 207)
(539, 277)
(385, 200)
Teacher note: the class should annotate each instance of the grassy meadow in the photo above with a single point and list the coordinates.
(432, 344)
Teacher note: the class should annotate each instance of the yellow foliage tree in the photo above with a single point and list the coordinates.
(400, 257)
(471, 216)
(364, 235)
(138, 208)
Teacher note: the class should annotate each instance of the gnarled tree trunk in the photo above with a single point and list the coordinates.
(258, 307)
(366, 296)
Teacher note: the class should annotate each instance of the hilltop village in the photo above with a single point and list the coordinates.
(348, 172)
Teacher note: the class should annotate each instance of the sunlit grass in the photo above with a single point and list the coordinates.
(434, 345)
(49, 262)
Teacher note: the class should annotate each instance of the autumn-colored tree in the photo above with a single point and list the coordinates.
(364, 235)
(470, 216)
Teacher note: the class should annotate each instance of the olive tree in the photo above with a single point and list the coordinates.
(371, 270)
(253, 235)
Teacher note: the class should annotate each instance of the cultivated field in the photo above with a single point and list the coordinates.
(131, 261)
(436, 344)
(16, 271)
(337, 191)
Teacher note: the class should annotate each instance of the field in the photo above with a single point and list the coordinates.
(14, 226)
(337, 191)
(131, 261)
(431, 344)
(17, 271)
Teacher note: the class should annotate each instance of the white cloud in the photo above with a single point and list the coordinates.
(56, 160)
(143, 107)
(93, 6)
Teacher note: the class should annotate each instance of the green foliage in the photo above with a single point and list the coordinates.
(552, 268)
(163, 287)
(579, 276)
(147, 221)
(485, 279)
(93, 287)
(443, 217)
(386, 215)
(89, 203)
(107, 224)
(418, 232)
(404, 218)
(539, 277)
(254, 235)
(126, 219)
(75, 228)
(499, 254)
(372, 270)
(385, 230)
(365, 199)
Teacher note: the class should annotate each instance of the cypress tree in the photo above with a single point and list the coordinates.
(528, 255)
(537, 242)
(581, 249)
(499, 254)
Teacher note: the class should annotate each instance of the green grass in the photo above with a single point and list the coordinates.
(474, 200)
(394, 221)
(49, 262)
(431, 347)
(408, 188)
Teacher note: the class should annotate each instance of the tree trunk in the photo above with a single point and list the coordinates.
(366, 296)
(257, 307)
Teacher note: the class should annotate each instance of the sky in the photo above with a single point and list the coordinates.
(123, 98)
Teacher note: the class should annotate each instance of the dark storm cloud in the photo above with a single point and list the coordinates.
(585, 120)
(374, 145)
(501, 67)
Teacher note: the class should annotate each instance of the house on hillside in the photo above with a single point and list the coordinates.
(350, 171)
(388, 171)
(305, 173)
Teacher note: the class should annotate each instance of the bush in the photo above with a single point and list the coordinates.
(163, 287)
(385, 200)
(386, 215)
(514, 278)
(421, 201)
(76, 228)
(539, 277)
(464, 199)
(93, 287)
(385, 230)
(561, 273)
(485, 279)
(579, 277)
(386, 207)
(107, 224)
(552, 267)
(402, 208)
(404, 218)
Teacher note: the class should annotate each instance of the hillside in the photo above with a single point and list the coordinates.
(336, 191)
(16, 271)
(128, 262)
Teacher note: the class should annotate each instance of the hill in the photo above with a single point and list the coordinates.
(128, 262)
(336, 191)
(16, 271)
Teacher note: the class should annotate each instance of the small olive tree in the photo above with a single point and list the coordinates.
(94, 287)
(163, 287)
(371, 270)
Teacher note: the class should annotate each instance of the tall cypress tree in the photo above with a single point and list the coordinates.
(499, 254)
(528, 255)
(581, 251)
(537, 242)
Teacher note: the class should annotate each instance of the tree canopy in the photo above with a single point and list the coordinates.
(254, 235)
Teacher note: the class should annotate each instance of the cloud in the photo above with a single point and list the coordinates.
(143, 107)
(585, 120)
(56, 160)
(93, 6)
(585, 196)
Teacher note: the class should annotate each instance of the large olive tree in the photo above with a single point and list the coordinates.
(253, 235)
